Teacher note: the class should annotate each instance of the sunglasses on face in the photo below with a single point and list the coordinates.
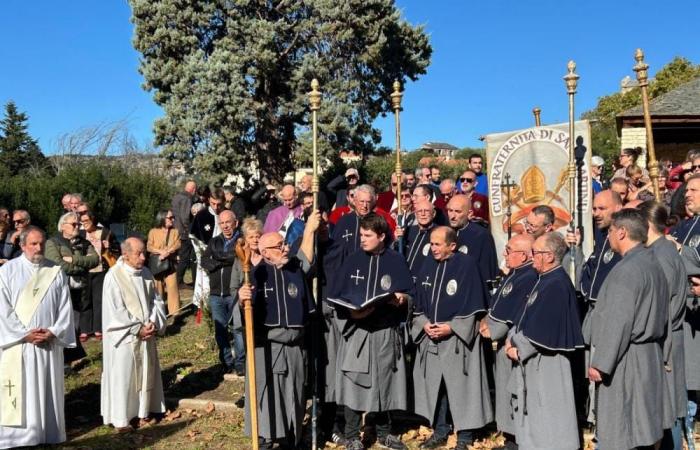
(695, 167)
(466, 180)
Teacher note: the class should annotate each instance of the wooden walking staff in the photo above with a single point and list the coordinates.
(396, 97)
(643, 79)
(243, 253)
(571, 80)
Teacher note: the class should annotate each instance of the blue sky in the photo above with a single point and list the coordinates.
(71, 64)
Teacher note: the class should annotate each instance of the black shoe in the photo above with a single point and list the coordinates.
(463, 445)
(354, 444)
(435, 442)
(338, 438)
(509, 445)
(391, 442)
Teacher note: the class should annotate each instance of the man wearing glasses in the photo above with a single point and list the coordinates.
(417, 236)
(545, 333)
(479, 203)
(282, 304)
(11, 246)
(506, 307)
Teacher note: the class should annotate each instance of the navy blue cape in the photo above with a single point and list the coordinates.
(477, 242)
(598, 265)
(366, 277)
(417, 247)
(509, 300)
(550, 317)
(281, 297)
(450, 289)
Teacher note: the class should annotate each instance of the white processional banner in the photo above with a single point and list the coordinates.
(536, 160)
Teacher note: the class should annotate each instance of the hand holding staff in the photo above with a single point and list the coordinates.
(243, 253)
(396, 97)
(571, 80)
(642, 77)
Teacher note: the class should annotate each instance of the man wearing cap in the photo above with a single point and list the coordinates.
(597, 165)
(351, 179)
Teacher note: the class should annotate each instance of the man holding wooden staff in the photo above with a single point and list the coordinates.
(282, 302)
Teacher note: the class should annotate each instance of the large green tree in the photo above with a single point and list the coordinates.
(603, 128)
(19, 152)
(233, 75)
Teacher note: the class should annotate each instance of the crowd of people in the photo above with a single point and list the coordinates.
(409, 310)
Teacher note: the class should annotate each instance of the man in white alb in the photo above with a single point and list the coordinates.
(36, 323)
(132, 314)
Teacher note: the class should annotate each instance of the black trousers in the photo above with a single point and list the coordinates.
(91, 316)
(353, 423)
(185, 259)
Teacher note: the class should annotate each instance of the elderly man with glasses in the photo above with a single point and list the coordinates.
(11, 246)
(282, 304)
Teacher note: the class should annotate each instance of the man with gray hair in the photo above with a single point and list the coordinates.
(132, 314)
(545, 333)
(627, 334)
(36, 324)
(20, 221)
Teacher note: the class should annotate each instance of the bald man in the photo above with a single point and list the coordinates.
(506, 306)
(132, 314)
(282, 305)
(281, 217)
(182, 206)
(473, 239)
(306, 185)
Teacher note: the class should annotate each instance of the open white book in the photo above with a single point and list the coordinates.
(369, 302)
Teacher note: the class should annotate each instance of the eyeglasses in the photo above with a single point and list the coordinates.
(695, 167)
(540, 252)
(510, 251)
(73, 224)
(20, 221)
(466, 180)
(276, 247)
(405, 195)
(82, 212)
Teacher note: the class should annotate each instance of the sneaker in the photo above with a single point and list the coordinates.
(338, 439)
(435, 442)
(391, 442)
(354, 444)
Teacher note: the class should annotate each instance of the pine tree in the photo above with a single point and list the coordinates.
(232, 76)
(19, 152)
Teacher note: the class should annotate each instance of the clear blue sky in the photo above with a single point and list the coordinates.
(71, 64)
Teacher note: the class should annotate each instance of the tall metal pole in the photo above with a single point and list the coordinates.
(643, 78)
(536, 111)
(396, 97)
(315, 104)
(571, 80)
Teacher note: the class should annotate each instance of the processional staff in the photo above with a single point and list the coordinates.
(536, 111)
(243, 253)
(571, 80)
(314, 105)
(396, 97)
(642, 77)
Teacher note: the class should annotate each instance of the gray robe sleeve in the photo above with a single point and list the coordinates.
(525, 348)
(691, 259)
(464, 328)
(417, 324)
(613, 321)
(305, 263)
(498, 330)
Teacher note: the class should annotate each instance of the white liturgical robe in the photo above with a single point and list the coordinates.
(40, 369)
(131, 380)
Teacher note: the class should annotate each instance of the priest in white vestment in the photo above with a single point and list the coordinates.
(132, 315)
(36, 324)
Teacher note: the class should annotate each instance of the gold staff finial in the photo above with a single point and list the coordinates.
(314, 104)
(571, 78)
(537, 111)
(396, 98)
(643, 78)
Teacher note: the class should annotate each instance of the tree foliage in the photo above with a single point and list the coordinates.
(19, 152)
(233, 76)
(603, 130)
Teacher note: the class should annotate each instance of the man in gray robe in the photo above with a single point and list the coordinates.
(687, 239)
(544, 336)
(505, 309)
(628, 328)
(674, 362)
(450, 373)
(282, 303)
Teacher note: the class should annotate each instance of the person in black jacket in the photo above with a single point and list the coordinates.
(217, 260)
